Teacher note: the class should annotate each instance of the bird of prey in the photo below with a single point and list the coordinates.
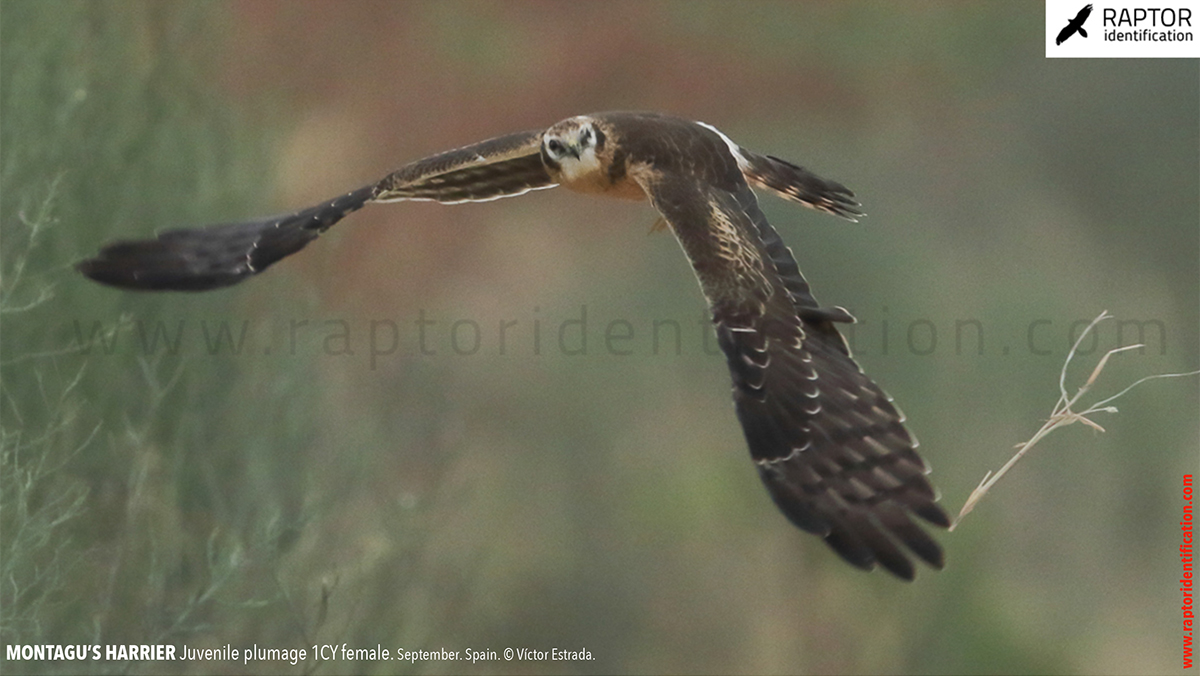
(1074, 25)
(828, 443)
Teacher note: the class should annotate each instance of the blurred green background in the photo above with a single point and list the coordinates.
(299, 490)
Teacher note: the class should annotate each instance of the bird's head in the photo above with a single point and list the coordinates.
(570, 147)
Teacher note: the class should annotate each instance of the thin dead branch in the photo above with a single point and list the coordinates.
(1063, 415)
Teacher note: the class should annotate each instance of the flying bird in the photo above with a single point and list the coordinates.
(828, 443)
(1074, 25)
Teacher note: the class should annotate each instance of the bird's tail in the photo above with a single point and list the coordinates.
(797, 184)
(200, 259)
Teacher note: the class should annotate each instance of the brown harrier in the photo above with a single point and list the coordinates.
(829, 444)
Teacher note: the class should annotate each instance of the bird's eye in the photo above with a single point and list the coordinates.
(554, 146)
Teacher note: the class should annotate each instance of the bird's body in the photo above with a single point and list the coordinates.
(830, 446)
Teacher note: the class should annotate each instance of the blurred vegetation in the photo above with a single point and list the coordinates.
(300, 489)
(149, 496)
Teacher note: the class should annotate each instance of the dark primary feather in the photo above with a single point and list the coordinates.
(831, 448)
(220, 255)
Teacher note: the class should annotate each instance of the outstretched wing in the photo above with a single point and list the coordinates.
(500, 167)
(829, 445)
(200, 259)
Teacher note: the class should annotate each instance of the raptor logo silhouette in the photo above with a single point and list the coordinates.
(1074, 25)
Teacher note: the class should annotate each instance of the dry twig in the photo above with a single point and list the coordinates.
(1062, 415)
